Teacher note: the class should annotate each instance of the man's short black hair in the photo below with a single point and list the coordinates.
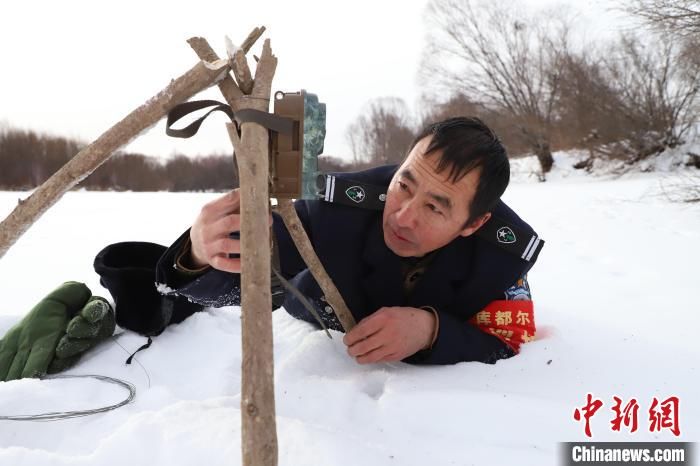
(466, 143)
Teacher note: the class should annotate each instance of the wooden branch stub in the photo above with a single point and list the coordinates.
(227, 86)
(263, 73)
(200, 77)
(301, 239)
(252, 38)
(230, 90)
(242, 72)
(202, 48)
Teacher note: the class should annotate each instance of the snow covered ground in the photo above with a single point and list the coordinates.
(617, 312)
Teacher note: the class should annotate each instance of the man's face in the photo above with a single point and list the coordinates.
(424, 210)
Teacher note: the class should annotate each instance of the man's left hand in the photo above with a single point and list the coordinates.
(390, 334)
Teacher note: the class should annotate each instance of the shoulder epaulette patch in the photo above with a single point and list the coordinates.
(514, 240)
(496, 231)
(353, 193)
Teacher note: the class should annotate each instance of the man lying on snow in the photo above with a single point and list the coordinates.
(434, 271)
(437, 276)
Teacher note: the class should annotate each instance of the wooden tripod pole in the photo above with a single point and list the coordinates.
(259, 432)
(258, 425)
(306, 249)
(259, 438)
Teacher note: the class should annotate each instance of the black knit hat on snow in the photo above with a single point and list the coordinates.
(128, 271)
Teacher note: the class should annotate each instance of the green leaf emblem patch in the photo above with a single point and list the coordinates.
(356, 193)
(505, 235)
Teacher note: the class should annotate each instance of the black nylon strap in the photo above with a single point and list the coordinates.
(269, 121)
(184, 109)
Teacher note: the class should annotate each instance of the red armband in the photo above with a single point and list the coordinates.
(513, 322)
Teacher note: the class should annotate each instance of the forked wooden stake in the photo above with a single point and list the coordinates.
(258, 424)
(259, 433)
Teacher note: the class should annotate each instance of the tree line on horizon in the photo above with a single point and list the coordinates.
(28, 158)
(625, 98)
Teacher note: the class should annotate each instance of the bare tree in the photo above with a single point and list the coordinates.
(585, 104)
(679, 16)
(496, 55)
(458, 105)
(382, 133)
(657, 91)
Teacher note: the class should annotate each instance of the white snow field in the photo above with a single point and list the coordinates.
(616, 303)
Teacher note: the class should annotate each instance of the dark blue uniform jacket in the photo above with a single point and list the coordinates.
(462, 278)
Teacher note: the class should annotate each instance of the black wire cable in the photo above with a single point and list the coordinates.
(304, 301)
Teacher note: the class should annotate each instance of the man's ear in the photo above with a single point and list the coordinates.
(475, 224)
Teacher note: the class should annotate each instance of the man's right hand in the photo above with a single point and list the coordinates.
(211, 244)
(210, 234)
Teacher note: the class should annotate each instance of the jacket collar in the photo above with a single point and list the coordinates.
(383, 283)
(443, 277)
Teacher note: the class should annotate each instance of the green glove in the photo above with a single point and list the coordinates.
(39, 343)
(94, 323)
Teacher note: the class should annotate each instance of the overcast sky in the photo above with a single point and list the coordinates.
(75, 67)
